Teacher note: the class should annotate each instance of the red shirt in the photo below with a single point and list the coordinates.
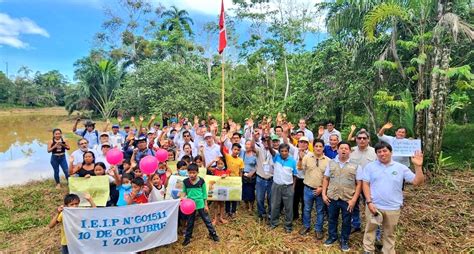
(140, 199)
(220, 172)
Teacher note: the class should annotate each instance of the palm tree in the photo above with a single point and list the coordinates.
(176, 19)
(415, 21)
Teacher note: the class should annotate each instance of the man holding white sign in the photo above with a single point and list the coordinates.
(400, 135)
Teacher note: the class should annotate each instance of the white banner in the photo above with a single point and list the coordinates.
(121, 229)
(405, 147)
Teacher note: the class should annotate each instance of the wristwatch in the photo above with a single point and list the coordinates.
(368, 202)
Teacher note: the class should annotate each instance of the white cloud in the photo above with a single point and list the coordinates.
(12, 28)
(208, 7)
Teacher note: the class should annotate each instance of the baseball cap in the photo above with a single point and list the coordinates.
(208, 134)
(126, 127)
(305, 139)
(105, 144)
(115, 126)
(275, 137)
(104, 134)
(151, 132)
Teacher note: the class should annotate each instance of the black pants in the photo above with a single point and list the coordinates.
(230, 207)
(205, 217)
(298, 198)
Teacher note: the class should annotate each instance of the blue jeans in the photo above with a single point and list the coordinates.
(309, 200)
(356, 215)
(334, 208)
(57, 161)
(263, 188)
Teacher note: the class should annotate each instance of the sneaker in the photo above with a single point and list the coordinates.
(354, 230)
(345, 246)
(186, 241)
(215, 238)
(318, 235)
(303, 231)
(329, 242)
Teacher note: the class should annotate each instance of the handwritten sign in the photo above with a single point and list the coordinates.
(405, 147)
(224, 189)
(131, 228)
(175, 186)
(96, 186)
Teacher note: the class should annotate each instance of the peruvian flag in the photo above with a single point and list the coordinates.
(222, 32)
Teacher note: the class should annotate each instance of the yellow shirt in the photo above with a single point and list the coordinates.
(234, 164)
(310, 146)
(63, 234)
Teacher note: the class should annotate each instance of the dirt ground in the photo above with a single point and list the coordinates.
(437, 217)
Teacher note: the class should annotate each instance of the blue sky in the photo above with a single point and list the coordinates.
(52, 34)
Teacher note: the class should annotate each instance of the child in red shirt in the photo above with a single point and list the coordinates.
(222, 171)
(137, 196)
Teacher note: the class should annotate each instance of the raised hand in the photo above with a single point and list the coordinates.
(321, 130)
(60, 208)
(153, 117)
(119, 119)
(353, 127)
(387, 126)
(141, 118)
(87, 196)
(132, 119)
(417, 159)
(196, 120)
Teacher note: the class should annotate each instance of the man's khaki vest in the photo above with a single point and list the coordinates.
(342, 181)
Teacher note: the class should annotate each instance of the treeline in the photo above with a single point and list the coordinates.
(38, 90)
(409, 62)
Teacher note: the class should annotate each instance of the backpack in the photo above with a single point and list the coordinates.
(96, 134)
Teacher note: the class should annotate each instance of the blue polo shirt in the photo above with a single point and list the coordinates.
(329, 152)
(284, 170)
(386, 182)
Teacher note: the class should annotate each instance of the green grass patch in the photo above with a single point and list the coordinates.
(458, 143)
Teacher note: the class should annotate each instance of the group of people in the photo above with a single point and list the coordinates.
(285, 169)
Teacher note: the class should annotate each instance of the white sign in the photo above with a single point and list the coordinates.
(405, 147)
(121, 229)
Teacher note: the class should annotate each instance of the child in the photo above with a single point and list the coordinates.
(156, 189)
(99, 170)
(124, 186)
(137, 173)
(163, 172)
(195, 189)
(222, 171)
(235, 165)
(182, 168)
(137, 195)
(70, 200)
(127, 167)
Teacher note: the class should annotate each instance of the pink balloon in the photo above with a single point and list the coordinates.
(148, 164)
(161, 155)
(114, 156)
(187, 206)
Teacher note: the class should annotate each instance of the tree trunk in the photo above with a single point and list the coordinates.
(287, 90)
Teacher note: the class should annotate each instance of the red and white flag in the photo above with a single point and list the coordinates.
(222, 32)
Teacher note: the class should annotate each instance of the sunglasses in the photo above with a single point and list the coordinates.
(186, 136)
(364, 138)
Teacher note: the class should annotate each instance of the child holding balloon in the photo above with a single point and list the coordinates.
(195, 189)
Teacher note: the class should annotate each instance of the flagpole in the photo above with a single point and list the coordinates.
(223, 90)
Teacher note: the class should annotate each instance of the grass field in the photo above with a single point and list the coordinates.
(437, 217)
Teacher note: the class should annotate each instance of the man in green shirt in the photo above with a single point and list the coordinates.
(195, 189)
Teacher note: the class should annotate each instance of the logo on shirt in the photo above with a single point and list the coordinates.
(394, 173)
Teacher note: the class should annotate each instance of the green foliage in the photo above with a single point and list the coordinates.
(384, 64)
(166, 87)
(381, 13)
